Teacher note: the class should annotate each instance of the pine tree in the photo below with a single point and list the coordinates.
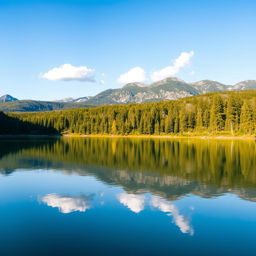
(232, 114)
(217, 117)
(114, 127)
(246, 125)
(199, 120)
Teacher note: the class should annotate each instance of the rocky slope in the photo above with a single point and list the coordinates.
(167, 89)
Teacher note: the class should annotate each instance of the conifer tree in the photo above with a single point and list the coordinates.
(246, 125)
(217, 117)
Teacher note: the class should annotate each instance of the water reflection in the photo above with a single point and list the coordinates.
(131, 196)
(172, 210)
(68, 204)
(134, 202)
(167, 168)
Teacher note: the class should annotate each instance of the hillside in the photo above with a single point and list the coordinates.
(231, 113)
(32, 106)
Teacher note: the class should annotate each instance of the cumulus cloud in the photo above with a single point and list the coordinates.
(68, 204)
(67, 72)
(172, 210)
(134, 202)
(136, 74)
(182, 61)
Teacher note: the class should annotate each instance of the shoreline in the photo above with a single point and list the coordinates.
(203, 137)
(220, 137)
(28, 136)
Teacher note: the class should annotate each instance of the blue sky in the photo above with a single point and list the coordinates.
(102, 40)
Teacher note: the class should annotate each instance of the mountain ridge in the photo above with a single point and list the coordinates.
(170, 88)
(36, 106)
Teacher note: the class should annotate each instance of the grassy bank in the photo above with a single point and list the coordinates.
(164, 136)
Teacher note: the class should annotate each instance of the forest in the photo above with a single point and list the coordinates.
(10, 125)
(227, 113)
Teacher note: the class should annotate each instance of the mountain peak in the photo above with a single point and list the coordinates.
(7, 98)
(167, 80)
(204, 82)
(173, 78)
(163, 81)
(209, 86)
(137, 84)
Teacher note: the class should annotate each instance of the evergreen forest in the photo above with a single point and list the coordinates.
(227, 113)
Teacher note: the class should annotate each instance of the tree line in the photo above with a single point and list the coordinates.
(15, 125)
(213, 113)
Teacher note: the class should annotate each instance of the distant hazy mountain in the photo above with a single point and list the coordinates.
(7, 98)
(81, 99)
(245, 85)
(65, 100)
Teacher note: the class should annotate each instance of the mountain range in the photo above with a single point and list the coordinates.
(167, 89)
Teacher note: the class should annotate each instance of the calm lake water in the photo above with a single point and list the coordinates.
(103, 196)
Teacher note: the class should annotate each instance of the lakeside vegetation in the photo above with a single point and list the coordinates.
(225, 113)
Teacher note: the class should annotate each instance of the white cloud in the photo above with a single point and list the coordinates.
(67, 72)
(172, 210)
(134, 202)
(136, 74)
(68, 204)
(182, 61)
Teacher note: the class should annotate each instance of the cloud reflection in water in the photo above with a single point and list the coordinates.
(172, 210)
(68, 204)
(134, 202)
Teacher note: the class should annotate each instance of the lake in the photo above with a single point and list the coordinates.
(127, 196)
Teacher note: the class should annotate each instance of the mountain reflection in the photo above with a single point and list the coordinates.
(169, 169)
